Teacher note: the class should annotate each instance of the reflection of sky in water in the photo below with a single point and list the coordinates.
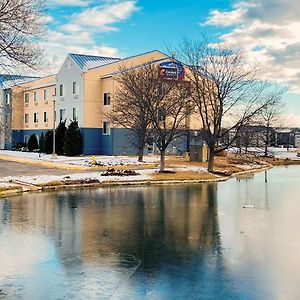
(193, 242)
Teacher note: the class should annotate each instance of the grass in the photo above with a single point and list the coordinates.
(51, 183)
(9, 188)
(183, 175)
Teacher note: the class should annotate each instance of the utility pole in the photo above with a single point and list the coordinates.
(54, 155)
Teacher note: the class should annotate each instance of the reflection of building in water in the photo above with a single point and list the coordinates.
(139, 221)
(180, 219)
(169, 229)
(43, 214)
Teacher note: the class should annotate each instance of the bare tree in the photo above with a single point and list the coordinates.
(225, 89)
(151, 106)
(169, 110)
(130, 109)
(270, 117)
(21, 23)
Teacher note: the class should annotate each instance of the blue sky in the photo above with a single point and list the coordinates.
(267, 29)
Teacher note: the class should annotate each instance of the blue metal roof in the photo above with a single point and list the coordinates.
(86, 62)
(9, 80)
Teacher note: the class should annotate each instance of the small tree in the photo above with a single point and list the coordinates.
(42, 143)
(130, 108)
(169, 111)
(269, 117)
(33, 143)
(48, 145)
(73, 142)
(60, 134)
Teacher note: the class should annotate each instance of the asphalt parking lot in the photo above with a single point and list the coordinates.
(9, 168)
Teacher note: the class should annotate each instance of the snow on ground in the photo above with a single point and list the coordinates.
(191, 169)
(5, 184)
(144, 175)
(83, 160)
(274, 151)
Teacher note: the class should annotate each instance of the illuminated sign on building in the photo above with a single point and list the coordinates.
(171, 70)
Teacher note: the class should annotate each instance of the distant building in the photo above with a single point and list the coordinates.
(297, 139)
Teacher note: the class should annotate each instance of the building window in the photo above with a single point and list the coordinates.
(36, 117)
(35, 96)
(106, 98)
(62, 114)
(26, 138)
(45, 117)
(61, 90)
(74, 88)
(26, 118)
(55, 116)
(26, 97)
(7, 99)
(54, 91)
(106, 128)
(75, 114)
(45, 94)
(7, 118)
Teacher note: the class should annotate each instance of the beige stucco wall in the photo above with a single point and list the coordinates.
(20, 108)
(94, 86)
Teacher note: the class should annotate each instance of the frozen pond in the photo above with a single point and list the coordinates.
(173, 242)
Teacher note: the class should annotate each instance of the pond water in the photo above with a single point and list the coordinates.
(162, 242)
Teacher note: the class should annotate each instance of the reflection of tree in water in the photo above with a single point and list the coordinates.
(172, 230)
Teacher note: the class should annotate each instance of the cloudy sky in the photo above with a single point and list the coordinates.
(268, 29)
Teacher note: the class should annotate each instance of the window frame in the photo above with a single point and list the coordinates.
(61, 90)
(35, 96)
(45, 117)
(61, 118)
(26, 120)
(36, 118)
(106, 99)
(45, 94)
(106, 130)
(26, 97)
(74, 88)
(76, 110)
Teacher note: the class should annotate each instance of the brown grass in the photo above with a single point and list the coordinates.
(9, 188)
(183, 175)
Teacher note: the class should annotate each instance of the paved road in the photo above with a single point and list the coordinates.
(9, 168)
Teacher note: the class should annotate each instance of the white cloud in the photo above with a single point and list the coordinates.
(101, 17)
(80, 34)
(269, 30)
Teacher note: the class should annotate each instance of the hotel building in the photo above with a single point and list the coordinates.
(83, 89)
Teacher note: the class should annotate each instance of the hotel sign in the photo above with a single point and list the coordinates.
(171, 70)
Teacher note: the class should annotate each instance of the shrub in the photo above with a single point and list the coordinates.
(42, 143)
(33, 143)
(19, 147)
(48, 145)
(73, 142)
(60, 134)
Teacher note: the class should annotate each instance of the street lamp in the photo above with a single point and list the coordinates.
(54, 155)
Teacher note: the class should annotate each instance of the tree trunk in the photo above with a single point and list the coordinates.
(141, 146)
(141, 154)
(267, 142)
(162, 160)
(211, 158)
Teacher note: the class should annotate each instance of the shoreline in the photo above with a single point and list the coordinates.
(114, 183)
